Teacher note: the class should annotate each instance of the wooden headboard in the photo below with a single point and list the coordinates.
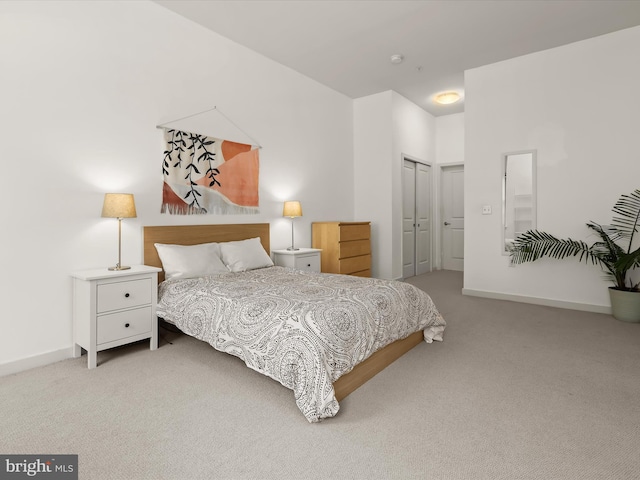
(195, 234)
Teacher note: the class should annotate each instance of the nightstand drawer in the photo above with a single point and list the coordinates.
(309, 263)
(118, 295)
(115, 326)
(306, 259)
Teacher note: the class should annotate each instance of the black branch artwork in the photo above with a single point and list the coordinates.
(191, 144)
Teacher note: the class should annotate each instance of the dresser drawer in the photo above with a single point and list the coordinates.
(363, 273)
(355, 264)
(308, 263)
(119, 295)
(115, 326)
(355, 248)
(355, 232)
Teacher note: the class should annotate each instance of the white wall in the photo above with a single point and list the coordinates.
(450, 138)
(386, 127)
(578, 106)
(373, 175)
(83, 85)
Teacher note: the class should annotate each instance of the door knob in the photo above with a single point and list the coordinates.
(447, 223)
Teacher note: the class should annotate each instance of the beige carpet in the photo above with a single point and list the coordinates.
(515, 391)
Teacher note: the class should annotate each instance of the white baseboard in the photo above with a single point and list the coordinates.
(549, 302)
(35, 361)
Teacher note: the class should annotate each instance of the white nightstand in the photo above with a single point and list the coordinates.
(307, 259)
(112, 308)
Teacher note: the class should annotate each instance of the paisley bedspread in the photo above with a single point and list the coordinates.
(302, 329)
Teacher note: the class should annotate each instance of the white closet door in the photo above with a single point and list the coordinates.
(416, 219)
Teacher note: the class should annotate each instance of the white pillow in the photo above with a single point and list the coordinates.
(244, 255)
(189, 261)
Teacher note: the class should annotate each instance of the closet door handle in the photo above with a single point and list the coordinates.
(447, 223)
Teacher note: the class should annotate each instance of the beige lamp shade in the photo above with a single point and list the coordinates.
(292, 209)
(119, 205)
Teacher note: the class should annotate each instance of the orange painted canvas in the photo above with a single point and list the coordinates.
(209, 175)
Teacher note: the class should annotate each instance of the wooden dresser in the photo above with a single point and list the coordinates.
(346, 247)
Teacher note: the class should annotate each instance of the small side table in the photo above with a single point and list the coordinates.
(113, 308)
(307, 259)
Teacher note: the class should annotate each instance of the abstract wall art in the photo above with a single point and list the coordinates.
(207, 175)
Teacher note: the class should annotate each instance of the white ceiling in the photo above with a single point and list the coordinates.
(347, 44)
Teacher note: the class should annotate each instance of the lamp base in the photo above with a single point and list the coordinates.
(119, 267)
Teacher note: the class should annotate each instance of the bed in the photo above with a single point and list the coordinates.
(302, 329)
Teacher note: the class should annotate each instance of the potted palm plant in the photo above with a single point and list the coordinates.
(613, 252)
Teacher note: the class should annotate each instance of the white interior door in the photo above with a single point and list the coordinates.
(408, 219)
(416, 219)
(423, 216)
(453, 218)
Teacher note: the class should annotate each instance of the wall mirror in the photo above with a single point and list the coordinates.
(518, 195)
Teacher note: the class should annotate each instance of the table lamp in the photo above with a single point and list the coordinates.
(292, 209)
(119, 205)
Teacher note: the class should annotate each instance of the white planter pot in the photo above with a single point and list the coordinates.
(625, 305)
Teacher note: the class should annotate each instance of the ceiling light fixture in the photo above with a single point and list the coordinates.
(397, 58)
(446, 98)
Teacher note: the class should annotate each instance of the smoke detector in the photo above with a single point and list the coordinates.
(397, 58)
